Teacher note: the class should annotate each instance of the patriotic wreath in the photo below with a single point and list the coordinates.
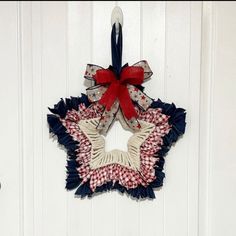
(80, 123)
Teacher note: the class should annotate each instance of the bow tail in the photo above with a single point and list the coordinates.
(133, 123)
(108, 117)
(126, 103)
(139, 97)
(95, 93)
(109, 96)
(129, 94)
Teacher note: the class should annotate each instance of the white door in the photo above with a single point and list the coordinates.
(44, 48)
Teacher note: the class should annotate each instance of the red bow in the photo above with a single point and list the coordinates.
(117, 89)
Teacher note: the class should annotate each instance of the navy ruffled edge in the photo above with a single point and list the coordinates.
(176, 120)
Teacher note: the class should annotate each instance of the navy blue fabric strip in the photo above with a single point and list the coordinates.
(116, 49)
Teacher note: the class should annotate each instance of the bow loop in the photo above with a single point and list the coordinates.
(147, 70)
(91, 71)
(104, 76)
(132, 75)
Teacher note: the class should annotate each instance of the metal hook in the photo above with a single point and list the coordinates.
(116, 18)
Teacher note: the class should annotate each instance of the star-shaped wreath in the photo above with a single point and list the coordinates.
(80, 123)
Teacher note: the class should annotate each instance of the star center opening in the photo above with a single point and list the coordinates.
(117, 138)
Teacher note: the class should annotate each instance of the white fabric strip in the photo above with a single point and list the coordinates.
(99, 157)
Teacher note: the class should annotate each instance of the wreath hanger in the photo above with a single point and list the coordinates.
(117, 18)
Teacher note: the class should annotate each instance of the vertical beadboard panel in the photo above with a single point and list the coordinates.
(79, 54)
(220, 118)
(103, 221)
(11, 191)
(223, 134)
(27, 116)
(79, 44)
(153, 50)
(38, 116)
(208, 45)
(54, 86)
(153, 44)
(177, 85)
(193, 117)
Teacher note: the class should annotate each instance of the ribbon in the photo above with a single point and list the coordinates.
(118, 88)
(116, 93)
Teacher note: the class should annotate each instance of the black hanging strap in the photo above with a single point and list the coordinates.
(116, 48)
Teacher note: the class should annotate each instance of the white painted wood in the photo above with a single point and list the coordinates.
(11, 168)
(205, 118)
(27, 116)
(177, 71)
(54, 85)
(38, 118)
(79, 16)
(190, 47)
(223, 178)
(218, 76)
(193, 110)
